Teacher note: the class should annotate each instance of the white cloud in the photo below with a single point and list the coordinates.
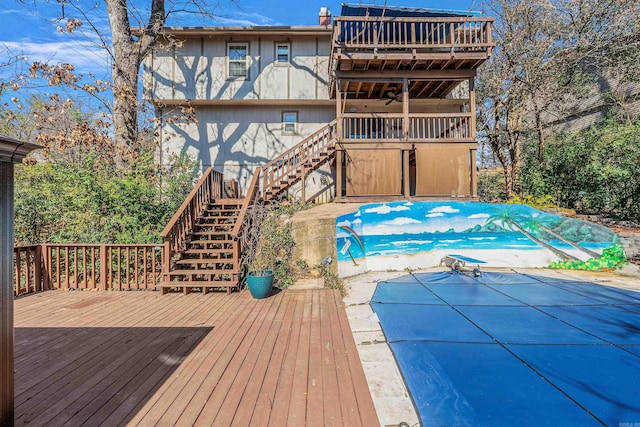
(402, 221)
(357, 215)
(246, 19)
(357, 221)
(478, 216)
(84, 56)
(382, 209)
(344, 224)
(384, 229)
(444, 209)
(433, 215)
(385, 209)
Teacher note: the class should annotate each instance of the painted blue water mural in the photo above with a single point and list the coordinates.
(405, 244)
(409, 228)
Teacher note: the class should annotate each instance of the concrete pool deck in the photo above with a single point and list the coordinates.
(388, 390)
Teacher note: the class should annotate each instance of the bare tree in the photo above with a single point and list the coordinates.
(128, 54)
(135, 30)
(546, 53)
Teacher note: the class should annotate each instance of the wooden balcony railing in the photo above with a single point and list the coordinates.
(361, 32)
(421, 127)
(441, 126)
(208, 188)
(28, 270)
(86, 266)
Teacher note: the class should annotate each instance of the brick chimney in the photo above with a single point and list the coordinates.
(324, 16)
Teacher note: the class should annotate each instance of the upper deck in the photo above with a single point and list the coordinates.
(434, 52)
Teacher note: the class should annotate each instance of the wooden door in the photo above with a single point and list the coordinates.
(373, 172)
(443, 170)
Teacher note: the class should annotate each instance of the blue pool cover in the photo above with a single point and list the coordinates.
(508, 349)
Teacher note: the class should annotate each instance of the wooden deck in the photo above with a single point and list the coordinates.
(138, 358)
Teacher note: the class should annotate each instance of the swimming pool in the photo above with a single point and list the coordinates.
(514, 349)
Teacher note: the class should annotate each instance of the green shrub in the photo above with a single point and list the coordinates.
(275, 244)
(90, 201)
(612, 258)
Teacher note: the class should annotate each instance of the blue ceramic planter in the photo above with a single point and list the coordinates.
(260, 283)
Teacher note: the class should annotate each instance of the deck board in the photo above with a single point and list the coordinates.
(138, 358)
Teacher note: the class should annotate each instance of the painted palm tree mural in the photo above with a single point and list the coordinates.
(529, 225)
(413, 235)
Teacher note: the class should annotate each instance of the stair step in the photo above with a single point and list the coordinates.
(207, 246)
(205, 251)
(226, 238)
(223, 220)
(200, 261)
(191, 283)
(187, 286)
(202, 271)
(210, 233)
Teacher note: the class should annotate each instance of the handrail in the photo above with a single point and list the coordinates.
(208, 188)
(286, 163)
(249, 198)
(187, 201)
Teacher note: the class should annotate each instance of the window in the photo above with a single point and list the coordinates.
(282, 53)
(237, 57)
(289, 121)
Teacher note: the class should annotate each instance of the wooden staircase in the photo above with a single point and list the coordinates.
(296, 163)
(210, 258)
(204, 239)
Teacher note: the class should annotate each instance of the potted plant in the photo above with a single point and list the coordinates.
(260, 283)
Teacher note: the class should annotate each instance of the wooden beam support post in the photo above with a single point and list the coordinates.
(6, 294)
(339, 156)
(405, 110)
(338, 113)
(472, 107)
(339, 152)
(474, 173)
(11, 151)
(473, 131)
(405, 174)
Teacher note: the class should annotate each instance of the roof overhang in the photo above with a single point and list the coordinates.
(315, 30)
(164, 103)
(13, 150)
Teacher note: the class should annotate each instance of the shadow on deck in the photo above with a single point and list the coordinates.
(137, 358)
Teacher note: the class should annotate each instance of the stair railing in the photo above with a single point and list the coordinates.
(175, 234)
(249, 200)
(279, 169)
(247, 227)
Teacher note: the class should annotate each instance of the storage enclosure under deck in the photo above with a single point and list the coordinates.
(403, 82)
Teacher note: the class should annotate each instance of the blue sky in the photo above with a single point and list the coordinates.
(30, 28)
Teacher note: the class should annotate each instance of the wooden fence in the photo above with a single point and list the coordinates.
(87, 266)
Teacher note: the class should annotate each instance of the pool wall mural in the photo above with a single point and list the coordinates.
(400, 235)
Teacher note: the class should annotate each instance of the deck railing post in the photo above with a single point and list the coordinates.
(166, 260)
(46, 261)
(37, 273)
(103, 267)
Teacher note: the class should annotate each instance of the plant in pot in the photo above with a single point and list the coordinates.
(260, 283)
(260, 277)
